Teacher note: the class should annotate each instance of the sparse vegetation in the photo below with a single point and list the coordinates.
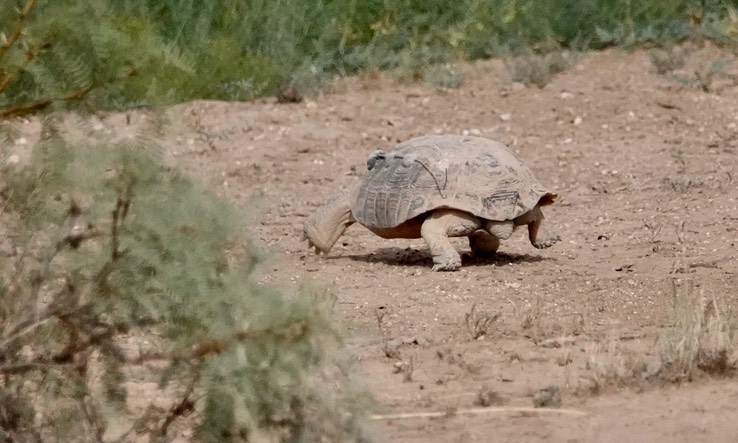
(613, 365)
(446, 75)
(703, 338)
(406, 368)
(479, 323)
(667, 60)
(538, 69)
(488, 397)
(547, 397)
(529, 314)
(671, 63)
(716, 69)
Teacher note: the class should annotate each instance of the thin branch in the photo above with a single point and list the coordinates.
(63, 358)
(179, 409)
(121, 206)
(204, 349)
(93, 417)
(31, 54)
(42, 104)
(72, 346)
(5, 47)
(479, 411)
(19, 368)
(26, 327)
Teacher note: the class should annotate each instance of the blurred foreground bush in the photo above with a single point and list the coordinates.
(129, 307)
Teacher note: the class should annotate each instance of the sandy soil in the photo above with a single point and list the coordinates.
(645, 167)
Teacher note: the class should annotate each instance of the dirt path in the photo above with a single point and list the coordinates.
(645, 168)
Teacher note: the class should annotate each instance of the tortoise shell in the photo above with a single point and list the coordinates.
(472, 174)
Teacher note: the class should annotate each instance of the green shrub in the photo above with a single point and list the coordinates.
(118, 271)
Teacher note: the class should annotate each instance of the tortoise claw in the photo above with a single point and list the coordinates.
(546, 242)
(446, 267)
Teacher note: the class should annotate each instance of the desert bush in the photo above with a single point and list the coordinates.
(668, 60)
(131, 306)
(535, 69)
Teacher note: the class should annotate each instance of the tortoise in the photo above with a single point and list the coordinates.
(436, 187)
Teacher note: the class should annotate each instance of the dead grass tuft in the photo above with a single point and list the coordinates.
(479, 323)
(703, 338)
(528, 314)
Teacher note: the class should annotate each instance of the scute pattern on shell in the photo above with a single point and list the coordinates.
(472, 174)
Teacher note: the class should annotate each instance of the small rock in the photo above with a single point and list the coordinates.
(13, 159)
(506, 117)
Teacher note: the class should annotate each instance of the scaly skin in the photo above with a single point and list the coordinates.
(437, 229)
(500, 229)
(328, 223)
(540, 237)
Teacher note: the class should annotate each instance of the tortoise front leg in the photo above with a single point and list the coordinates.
(539, 236)
(437, 229)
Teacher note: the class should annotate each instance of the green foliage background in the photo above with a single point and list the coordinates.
(150, 52)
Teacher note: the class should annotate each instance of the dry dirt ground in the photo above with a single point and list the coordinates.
(645, 167)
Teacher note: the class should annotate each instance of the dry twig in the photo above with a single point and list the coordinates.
(480, 411)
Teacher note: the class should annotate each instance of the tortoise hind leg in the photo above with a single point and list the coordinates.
(486, 241)
(437, 229)
(483, 244)
(500, 229)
